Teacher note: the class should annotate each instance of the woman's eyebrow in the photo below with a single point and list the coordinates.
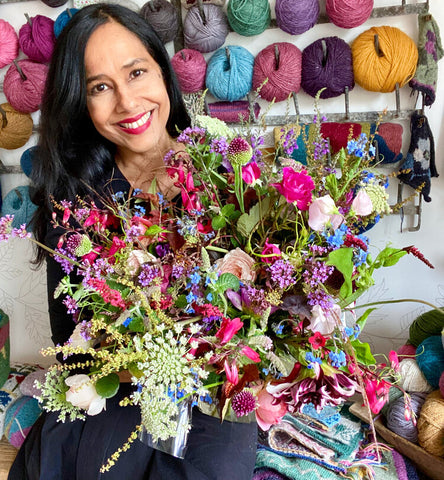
(130, 64)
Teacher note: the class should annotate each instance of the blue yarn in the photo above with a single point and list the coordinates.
(230, 77)
(62, 20)
(430, 359)
(26, 160)
(18, 203)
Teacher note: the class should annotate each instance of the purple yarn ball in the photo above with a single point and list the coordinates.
(162, 16)
(37, 39)
(296, 16)
(327, 63)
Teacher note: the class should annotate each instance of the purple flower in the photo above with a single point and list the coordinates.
(282, 273)
(148, 274)
(70, 304)
(243, 403)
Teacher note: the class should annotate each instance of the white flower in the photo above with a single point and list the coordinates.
(82, 393)
(324, 322)
(322, 212)
(362, 204)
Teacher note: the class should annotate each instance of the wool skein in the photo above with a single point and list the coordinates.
(396, 421)
(430, 358)
(394, 61)
(230, 73)
(18, 203)
(296, 16)
(327, 63)
(412, 379)
(9, 44)
(24, 84)
(206, 32)
(190, 67)
(427, 324)
(37, 39)
(15, 127)
(162, 16)
(349, 13)
(248, 17)
(54, 3)
(279, 64)
(431, 424)
(63, 19)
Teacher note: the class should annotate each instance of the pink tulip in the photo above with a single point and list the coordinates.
(296, 187)
(251, 354)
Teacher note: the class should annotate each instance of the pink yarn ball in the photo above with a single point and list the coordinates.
(9, 44)
(25, 93)
(37, 40)
(282, 70)
(190, 67)
(406, 351)
(349, 13)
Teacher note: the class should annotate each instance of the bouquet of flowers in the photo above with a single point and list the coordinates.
(237, 296)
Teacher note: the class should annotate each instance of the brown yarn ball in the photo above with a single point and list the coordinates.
(15, 127)
(431, 424)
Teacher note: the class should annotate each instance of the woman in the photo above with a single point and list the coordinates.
(111, 110)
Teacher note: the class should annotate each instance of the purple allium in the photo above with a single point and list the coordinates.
(243, 403)
(239, 151)
(73, 242)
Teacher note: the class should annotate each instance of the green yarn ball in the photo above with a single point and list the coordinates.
(427, 324)
(248, 17)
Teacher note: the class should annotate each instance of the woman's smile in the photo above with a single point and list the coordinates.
(136, 125)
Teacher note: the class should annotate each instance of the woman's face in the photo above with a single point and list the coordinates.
(126, 95)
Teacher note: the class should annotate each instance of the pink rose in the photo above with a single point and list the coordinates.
(322, 212)
(270, 410)
(238, 263)
(270, 249)
(82, 393)
(251, 173)
(296, 187)
(362, 204)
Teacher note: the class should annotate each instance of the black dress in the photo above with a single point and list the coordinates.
(76, 450)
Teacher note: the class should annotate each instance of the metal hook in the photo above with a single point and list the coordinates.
(17, 66)
(68, 11)
(398, 100)
(227, 53)
(4, 118)
(296, 104)
(410, 209)
(347, 103)
(276, 55)
(201, 12)
(182, 55)
(324, 52)
(28, 19)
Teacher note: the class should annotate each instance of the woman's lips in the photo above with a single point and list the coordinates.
(138, 126)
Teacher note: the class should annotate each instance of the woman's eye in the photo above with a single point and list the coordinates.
(99, 88)
(137, 73)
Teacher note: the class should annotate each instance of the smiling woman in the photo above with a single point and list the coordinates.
(111, 111)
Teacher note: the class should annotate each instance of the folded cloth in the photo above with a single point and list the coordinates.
(267, 474)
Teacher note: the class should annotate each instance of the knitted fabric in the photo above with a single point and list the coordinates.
(419, 164)
(430, 51)
(329, 415)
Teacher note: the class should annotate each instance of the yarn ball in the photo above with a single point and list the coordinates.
(230, 73)
(27, 159)
(395, 63)
(281, 64)
(191, 3)
(54, 3)
(249, 17)
(162, 16)
(396, 421)
(406, 351)
(412, 379)
(190, 67)
(24, 84)
(296, 16)
(205, 34)
(37, 39)
(431, 424)
(234, 112)
(430, 358)
(441, 384)
(28, 388)
(9, 44)
(349, 13)
(18, 203)
(427, 324)
(327, 63)
(15, 127)
(19, 418)
(62, 20)
(393, 394)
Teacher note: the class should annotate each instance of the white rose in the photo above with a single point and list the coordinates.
(324, 322)
(82, 393)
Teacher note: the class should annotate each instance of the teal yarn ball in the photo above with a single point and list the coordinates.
(63, 19)
(430, 359)
(427, 324)
(20, 416)
(230, 73)
(248, 17)
(27, 159)
(18, 203)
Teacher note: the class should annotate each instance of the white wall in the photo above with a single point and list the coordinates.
(22, 291)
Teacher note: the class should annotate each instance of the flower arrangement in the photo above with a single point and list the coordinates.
(238, 296)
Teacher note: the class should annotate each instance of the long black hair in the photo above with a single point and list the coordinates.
(72, 156)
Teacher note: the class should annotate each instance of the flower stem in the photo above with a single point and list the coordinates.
(401, 300)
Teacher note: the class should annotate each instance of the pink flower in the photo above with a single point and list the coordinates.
(238, 263)
(377, 394)
(323, 212)
(270, 249)
(228, 329)
(362, 204)
(317, 340)
(251, 354)
(270, 410)
(251, 173)
(394, 360)
(323, 321)
(117, 245)
(231, 373)
(296, 187)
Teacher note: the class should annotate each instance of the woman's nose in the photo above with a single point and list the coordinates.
(126, 99)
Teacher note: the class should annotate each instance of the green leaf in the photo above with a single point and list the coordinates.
(227, 210)
(331, 183)
(181, 301)
(107, 386)
(212, 378)
(342, 259)
(154, 230)
(247, 221)
(363, 318)
(363, 352)
(227, 281)
(136, 325)
(390, 256)
(218, 222)
(206, 262)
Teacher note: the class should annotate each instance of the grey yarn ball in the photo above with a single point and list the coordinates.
(162, 16)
